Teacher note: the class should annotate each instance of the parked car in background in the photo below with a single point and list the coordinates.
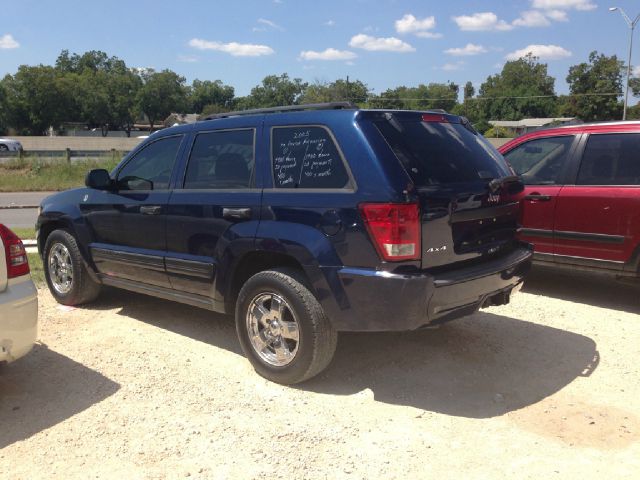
(18, 299)
(581, 204)
(302, 223)
(8, 145)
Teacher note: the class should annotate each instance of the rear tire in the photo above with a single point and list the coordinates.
(65, 271)
(282, 328)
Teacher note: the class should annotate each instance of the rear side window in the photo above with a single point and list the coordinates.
(220, 160)
(435, 153)
(541, 161)
(306, 157)
(611, 159)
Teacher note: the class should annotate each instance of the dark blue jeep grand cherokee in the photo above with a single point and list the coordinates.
(303, 221)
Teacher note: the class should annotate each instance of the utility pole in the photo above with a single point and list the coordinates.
(632, 25)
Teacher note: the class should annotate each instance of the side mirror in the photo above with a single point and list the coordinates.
(98, 179)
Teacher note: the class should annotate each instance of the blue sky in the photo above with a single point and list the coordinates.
(384, 43)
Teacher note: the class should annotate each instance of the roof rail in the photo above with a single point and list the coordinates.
(290, 108)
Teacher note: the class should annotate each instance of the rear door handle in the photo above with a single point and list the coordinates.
(236, 213)
(537, 196)
(150, 209)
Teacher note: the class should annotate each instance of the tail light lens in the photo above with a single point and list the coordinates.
(16, 255)
(394, 229)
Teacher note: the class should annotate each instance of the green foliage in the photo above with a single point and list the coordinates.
(469, 91)
(37, 270)
(318, 92)
(423, 97)
(498, 132)
(209, 94)
(43, 174)
(161, 94)
(601, 75)
(275, 91)
(527, 83)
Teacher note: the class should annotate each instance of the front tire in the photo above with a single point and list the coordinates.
(65, 271)
(282, 328)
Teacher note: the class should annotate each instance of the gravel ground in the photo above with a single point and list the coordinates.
(135, 387)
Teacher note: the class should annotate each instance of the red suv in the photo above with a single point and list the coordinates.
(581, 204)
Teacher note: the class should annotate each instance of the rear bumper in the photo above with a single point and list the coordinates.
(372, 300)
(18, 318)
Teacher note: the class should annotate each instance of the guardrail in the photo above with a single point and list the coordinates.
(67, 155)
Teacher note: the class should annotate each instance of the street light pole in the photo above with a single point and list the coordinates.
(632, 25)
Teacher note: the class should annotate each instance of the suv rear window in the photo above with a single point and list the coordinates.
(435, 153)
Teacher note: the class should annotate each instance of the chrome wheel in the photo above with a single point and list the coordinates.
(273, 329)
(60, 268)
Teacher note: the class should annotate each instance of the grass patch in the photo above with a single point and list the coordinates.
(25, 233)
(37, 271)
(34, 174)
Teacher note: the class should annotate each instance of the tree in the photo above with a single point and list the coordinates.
(37, 98)
(423, 97)
(338, 91)
(207, 93)
(469, 91)
(275, 91)
(161, 93)
(4, 109)
(523, 89)
(602, 75)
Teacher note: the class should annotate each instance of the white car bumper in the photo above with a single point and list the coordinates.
(18, 318)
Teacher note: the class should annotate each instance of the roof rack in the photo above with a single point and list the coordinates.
(290, 108)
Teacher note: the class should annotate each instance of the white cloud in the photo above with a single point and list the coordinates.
(428, 35)
(483, 21)
(532, 18)
(557, 15)
(419, 27)
(377, 44)
(636, 71)
(232, 48)
(450, 67)
(187, 58)
(7, 42)
(328, 54)
(543, 52)
(269, 23)
(467, 50)
(563, 4)
(330, 23)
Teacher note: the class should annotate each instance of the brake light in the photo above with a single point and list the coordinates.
(434, 117)
(394, 229)
(16, 255)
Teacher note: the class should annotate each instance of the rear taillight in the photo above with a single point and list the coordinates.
(16, 256)
(394, 229)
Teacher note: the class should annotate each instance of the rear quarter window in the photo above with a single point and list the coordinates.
(306, 157)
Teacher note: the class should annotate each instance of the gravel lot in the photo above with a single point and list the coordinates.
(135, 387)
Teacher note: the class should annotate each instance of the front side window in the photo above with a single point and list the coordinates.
(611, 159)
(306, 157)
(151, 168)
(221, 160)
(541, 161)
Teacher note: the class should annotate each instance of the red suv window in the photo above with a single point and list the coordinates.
(611, 159)
(541, 161)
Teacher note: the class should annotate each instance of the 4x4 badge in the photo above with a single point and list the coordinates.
(437, 249)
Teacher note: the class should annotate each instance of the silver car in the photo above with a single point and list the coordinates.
(9, 145)
(18, 299)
